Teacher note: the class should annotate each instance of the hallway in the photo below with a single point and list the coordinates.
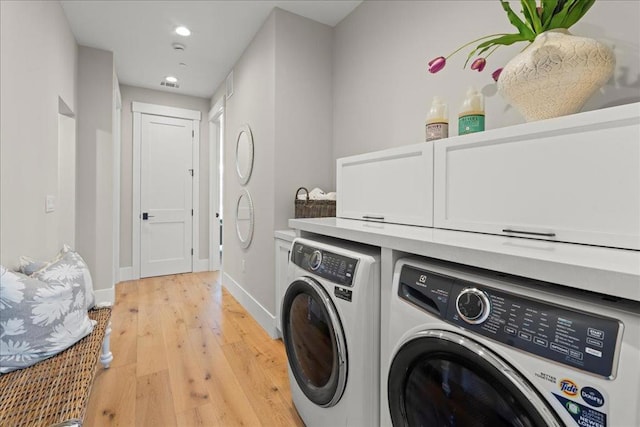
(187, 354)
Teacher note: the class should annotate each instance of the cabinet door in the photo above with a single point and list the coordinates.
(394, 185)
(573, 179)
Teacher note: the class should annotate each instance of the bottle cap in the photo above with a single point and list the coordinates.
(438, 109)
(474, 101)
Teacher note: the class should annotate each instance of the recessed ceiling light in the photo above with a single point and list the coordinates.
(171, 79)
(183, 31)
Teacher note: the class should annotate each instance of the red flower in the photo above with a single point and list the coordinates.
(437, 64)
(496, 74)
(479, 64)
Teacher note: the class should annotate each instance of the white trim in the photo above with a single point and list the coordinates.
(228, 85)
(201, 264)
(126, 273)
(261, 315)
(135, 222)
(105, 296)
(216, 110)
(163, 110)
(138, 109)
(195, 192)
(117, 149)
(215, 115)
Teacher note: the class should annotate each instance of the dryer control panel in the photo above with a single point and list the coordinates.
(557, 333)
(328, 265)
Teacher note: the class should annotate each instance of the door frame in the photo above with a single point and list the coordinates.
(216, 137)
(139, 108)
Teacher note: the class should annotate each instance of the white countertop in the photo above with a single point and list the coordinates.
(287, 235)
(608, 271)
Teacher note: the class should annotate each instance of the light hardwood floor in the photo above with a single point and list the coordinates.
(187, 354)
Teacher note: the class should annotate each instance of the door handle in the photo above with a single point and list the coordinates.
(146, 216)
(532, 233)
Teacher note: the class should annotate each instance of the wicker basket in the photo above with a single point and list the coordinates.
(313, 208)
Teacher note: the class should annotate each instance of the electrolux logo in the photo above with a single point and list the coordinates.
(422, 281)
(568, 387)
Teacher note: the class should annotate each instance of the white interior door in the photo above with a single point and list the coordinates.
(166, 195)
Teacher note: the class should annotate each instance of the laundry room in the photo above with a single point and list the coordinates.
(320, 213)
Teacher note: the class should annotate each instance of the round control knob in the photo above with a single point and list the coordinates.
(473, 306)
(315, 260)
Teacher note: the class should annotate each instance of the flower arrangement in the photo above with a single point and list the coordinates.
(538, 18)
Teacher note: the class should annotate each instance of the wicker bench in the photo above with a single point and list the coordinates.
(56, 390)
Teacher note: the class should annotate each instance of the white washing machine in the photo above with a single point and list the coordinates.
(468, 347)
(331, 331)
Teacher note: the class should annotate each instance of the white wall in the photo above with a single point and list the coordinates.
(304, 119)
(37, 67)
(282, 89)
(253, 102)
(95, 148)
(130, 94)
(382, 89)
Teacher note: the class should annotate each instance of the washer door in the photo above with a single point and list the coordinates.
(314, 341)
(440, 378)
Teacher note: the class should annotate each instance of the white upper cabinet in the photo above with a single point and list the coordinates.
(394, 185)
(572, 179)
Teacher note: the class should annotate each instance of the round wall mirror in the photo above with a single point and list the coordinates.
(244, 219)
(244, 154)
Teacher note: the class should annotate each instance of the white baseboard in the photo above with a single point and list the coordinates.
(255, 309)
(201, 265)
(126, 273)
(105, 295)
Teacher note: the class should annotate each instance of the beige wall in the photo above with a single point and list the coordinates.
(37, 67)
(130, 94)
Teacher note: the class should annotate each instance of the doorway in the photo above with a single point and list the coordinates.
(165, 189)
(216, 136)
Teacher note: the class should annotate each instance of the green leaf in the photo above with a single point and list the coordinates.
(577, 12)
(517, 22)
(558, 18)
(506, 40)
(548, 8)
(530, 11)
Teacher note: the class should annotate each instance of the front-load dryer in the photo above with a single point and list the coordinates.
(331, 332)
(469, 347)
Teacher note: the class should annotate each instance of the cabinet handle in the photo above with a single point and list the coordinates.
(532, 233)
(381, 218)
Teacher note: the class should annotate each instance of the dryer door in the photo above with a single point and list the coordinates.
(440, 378)
(314, 341)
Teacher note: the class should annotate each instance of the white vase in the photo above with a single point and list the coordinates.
(555, 75)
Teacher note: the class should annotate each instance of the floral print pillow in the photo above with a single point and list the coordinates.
(38, 319)
(68, 266)
(65, 259)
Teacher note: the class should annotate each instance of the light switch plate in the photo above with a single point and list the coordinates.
(50, 203)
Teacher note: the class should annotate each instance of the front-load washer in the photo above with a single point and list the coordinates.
(469, 347)
(331, 332)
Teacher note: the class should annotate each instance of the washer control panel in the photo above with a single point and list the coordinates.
(557, 333)
(328, 265)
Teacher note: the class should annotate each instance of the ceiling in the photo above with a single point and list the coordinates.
(141, 34)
